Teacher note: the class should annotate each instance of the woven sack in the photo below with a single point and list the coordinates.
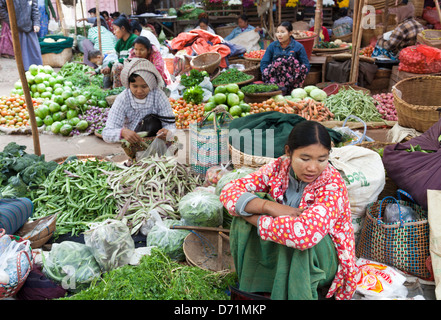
(209, 141)
(403, 245)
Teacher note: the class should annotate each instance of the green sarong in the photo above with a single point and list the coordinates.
(287, 273)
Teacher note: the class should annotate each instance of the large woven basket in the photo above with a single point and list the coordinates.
(57, 60)
(208, 61)
(224, 31)
(251, 67)
(417, 102)
(240, 159)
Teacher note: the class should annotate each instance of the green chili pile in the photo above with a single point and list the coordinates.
(77, 192)
(352, 102)
(231, 76)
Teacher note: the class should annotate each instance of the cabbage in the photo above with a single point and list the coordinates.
(308, 89)
(318, 94)
(279, 98)
(201, 208)
(299, 93)
(230, 176)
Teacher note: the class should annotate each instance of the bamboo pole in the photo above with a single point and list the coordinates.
(438, 9)
(355, 51)
(82, 16)
(98, 23)
(22, 73)
(61, 17)
(75, 18)
(279, 4)
(318, 20)
(385, 16)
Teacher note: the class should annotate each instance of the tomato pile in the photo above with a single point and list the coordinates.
(13, 111)
(186, 112)
(367, 51)
(257, 54)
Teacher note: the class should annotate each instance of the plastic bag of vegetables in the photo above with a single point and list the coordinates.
(71, 264)
(167, 239)
(201, 208)
(232, 175)
(111, 244)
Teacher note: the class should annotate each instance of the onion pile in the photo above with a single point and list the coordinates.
(385, 106)
(96, 117)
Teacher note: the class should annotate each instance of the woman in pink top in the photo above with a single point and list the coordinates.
(292, 232)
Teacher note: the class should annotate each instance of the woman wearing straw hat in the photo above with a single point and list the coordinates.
(142, 106)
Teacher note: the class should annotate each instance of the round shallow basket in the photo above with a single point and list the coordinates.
(260, 97)
(82, 157)
(253, 59)
(37, 235)
(344, 38)
(208, 61)
(238, 83)
(240, 159)
(251, 67)
(201, 249)
(326, 50)
(417, 102)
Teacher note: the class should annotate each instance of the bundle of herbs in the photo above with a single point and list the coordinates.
(259, 88)
(157, 277)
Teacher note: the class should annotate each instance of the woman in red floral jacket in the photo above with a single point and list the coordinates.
(304, 239)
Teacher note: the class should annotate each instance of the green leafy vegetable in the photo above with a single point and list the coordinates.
(201, 208)
(194, 94)
(157, 277)
(193, 79)
(258, 88)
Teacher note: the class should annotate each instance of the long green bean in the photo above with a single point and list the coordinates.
(353, 102)
(150, 183)
(77, 192)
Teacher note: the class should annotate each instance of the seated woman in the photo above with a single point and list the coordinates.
(203, 24)
(123, 33)
(242, 27)
(404, 35)
(141, 105)
(291, 233)
(343, 25)
(144, 32)
(285, 61)
(142, 48)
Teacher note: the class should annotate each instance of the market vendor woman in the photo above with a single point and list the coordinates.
(304, 240)
(142, 107)
(285, 61)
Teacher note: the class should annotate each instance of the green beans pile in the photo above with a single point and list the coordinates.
(77, 192)
(151, 183)
(352, 102)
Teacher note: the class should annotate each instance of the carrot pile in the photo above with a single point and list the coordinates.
(311, 110)
(308, 109)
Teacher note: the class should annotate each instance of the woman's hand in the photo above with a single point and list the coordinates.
(105, 70)
(130, 136)
(162, 134)
(273, 209)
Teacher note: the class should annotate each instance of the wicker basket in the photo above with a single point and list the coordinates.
(38, 237)
(417, 102)
(260, 97)
(202, 250)
(224, 31)
(83, 157)
(208, 61)
(8, 290)
(57, 60)
(240, 159)
(344, 38)
(251, 67)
